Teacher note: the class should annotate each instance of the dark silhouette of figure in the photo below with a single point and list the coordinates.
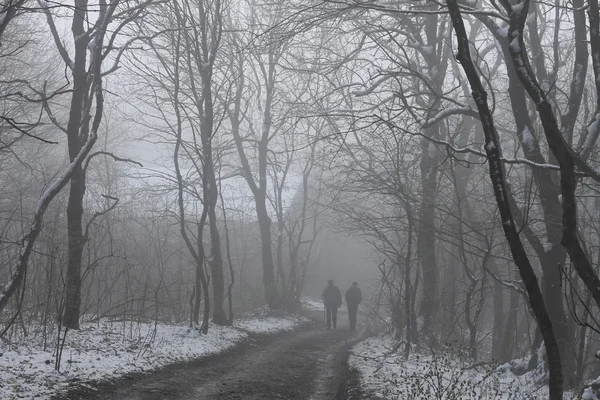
(353, 298)
(332, 298)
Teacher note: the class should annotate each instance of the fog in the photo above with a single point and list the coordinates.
(193, 162)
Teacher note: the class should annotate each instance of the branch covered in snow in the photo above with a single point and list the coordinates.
(373, 86)
(392, 8)
(513, 285)
(111, 155)
(465, 110)
(564, 154)
(593, 131)
(497, 179)
(469, 150)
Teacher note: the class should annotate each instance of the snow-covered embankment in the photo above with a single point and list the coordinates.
(447, 374)
(106, 350)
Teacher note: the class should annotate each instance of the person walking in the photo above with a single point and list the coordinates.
(353, 298)
(332, 298)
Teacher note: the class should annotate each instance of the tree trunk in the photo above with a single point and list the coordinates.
(510, 329)
(551, 208)
(496, 172)
(75, 255)
(283, 282)
(581, 353)
(264, 222)
(201, 281)
(426, 242)
(76, 134)
(408, 308)
(259, 189)
(216, 272)
(211, 195)
(498, 326)
(426, 231)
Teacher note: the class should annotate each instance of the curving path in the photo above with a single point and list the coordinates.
(309, 364)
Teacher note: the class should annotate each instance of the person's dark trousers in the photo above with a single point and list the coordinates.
(331, 316)
(352, 310)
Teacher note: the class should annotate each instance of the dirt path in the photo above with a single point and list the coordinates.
(310, 365)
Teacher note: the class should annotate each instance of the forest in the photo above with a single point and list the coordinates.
(193, 161)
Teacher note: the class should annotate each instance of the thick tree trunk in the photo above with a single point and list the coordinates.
(283, 282)
(201, 281)
(554, 299)
(264, 222)
(566, 159)
(426, 242)
(551, 208)
(196, 295)
(498, 325)
(76, 134)
(75, 255)
(293, 278)
(552, 212)
(215, 262)
(436, 64)
(216, 272)
(582, 339)
(510, 329)
(211, 194)
(408, 308)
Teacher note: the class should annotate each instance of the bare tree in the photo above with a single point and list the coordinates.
(263, 62)
(84, 99)
(203, 41)
(496, 171)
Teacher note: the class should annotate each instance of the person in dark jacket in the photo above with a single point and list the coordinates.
(332, 298)
(353, 298)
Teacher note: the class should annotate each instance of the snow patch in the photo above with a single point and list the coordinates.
(517, 8)
(108, 350)
(503, 31)
(427, 50)
(514, 44)
(530, 18)
(445, 374)
(420, 323)
(311, 304)
(592, 134)
(528, 140)
(590, 394)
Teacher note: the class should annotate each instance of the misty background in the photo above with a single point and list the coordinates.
(187, 161)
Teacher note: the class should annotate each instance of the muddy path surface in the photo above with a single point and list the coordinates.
(309, 364)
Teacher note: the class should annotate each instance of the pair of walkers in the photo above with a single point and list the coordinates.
(332, 298)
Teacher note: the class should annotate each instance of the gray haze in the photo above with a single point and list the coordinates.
(190, 161)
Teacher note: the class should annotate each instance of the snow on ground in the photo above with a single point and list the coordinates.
(311, 304)
(385, 374)
(106, 350)
(270, 324)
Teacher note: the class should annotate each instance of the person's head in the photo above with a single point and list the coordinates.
(330, 282)
(355, 284)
